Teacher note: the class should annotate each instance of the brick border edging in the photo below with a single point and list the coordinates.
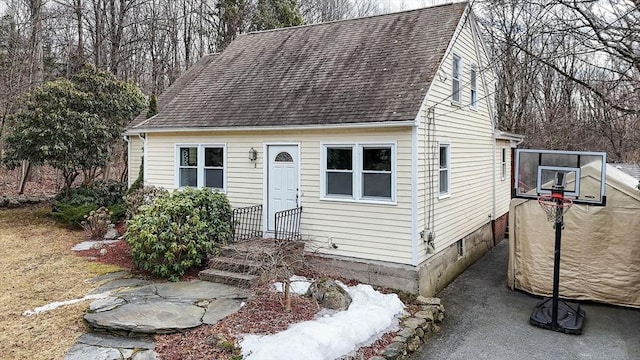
(414, 330)
(22, 201)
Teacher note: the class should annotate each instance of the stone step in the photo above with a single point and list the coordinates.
(228, 277)
(235, 264)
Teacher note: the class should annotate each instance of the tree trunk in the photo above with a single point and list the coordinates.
(24, 174)
(287, 295)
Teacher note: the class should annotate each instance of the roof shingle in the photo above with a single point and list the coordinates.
(373, 69)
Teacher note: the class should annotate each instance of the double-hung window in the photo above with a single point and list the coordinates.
(362, 172)
(474, 88)
(201, 166)
(503, 163)
(456, 77)
(339, 171)
(444, 170)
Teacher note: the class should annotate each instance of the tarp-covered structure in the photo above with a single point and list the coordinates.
(600, 256)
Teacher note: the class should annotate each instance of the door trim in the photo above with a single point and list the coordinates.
(265, 181)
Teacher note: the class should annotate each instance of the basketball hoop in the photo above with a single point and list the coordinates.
(555, 206)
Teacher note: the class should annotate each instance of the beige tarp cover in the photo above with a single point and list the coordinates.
(600, 256)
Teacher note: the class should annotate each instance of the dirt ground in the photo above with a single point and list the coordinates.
(37, 267)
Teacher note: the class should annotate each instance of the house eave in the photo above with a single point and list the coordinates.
(366, 125)
(503, 135)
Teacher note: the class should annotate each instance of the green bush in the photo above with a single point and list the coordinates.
(72, 215)
(178, 231)
(71, 207)
(101, 192)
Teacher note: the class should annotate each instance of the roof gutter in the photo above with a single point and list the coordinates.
(503, 135)
(385, 124)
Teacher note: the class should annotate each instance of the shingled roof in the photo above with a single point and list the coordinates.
(375, 69)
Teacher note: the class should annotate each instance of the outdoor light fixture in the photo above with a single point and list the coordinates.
(253, 154)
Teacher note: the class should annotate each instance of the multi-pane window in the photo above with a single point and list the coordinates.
(503, 162)
(456, 77)
(474, 88)
(214, 167)
(201, 166)
(359, 172)
(376, 172)
(444, 170)
(339, 171)
(188, 168)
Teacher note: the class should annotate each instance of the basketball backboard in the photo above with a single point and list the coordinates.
(582, 174)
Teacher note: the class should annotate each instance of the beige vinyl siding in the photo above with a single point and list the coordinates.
(469, 134)
(360, 230)
(503, 187)
(135, 158)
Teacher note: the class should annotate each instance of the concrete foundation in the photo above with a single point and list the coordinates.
(426, 279)
(441, 269)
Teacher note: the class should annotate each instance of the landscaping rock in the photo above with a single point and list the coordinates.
(421, 300)
(414, 344)
(84, 352)
(159, 317)
(3, 201)
(106, 304)
(22, 200)
(88, 245)
(105, 340)
(194, 291)
(112, 233)
(33, 200)
(219, 309)
(329, 295)
(414, 323)
(13, 204)
(394, 350)
(427, 314)
(107, 347)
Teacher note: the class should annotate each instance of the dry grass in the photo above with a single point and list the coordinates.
(37, 267)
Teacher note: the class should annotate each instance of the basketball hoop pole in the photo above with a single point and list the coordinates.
(557, 195)
(561, 316)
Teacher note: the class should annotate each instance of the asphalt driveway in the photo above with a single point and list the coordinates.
(486, 320)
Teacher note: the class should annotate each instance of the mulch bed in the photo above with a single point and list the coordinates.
(263, 314)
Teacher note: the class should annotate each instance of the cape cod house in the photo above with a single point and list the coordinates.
(381, 128)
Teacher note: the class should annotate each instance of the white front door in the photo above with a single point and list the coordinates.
(282, 181)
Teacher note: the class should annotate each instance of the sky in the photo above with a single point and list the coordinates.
(330, 335)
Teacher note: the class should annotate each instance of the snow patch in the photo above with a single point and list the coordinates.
(57, 304)
(299, 285)
(333, 335)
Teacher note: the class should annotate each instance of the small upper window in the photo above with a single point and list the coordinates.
(444, 170)
(284, 157)
(474, 88)
(503, 163)
(456, 77)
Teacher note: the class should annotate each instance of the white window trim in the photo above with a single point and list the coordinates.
(200, 167)
(357, 172)
(459, 79)
(444, 195)
(473, 88)
(503, 163)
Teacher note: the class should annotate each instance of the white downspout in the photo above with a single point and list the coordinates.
(145, 160)
(128, 141)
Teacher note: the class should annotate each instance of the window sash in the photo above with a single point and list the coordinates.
(455, 76)
(504, 163)
(444, 170)
(474, 88)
